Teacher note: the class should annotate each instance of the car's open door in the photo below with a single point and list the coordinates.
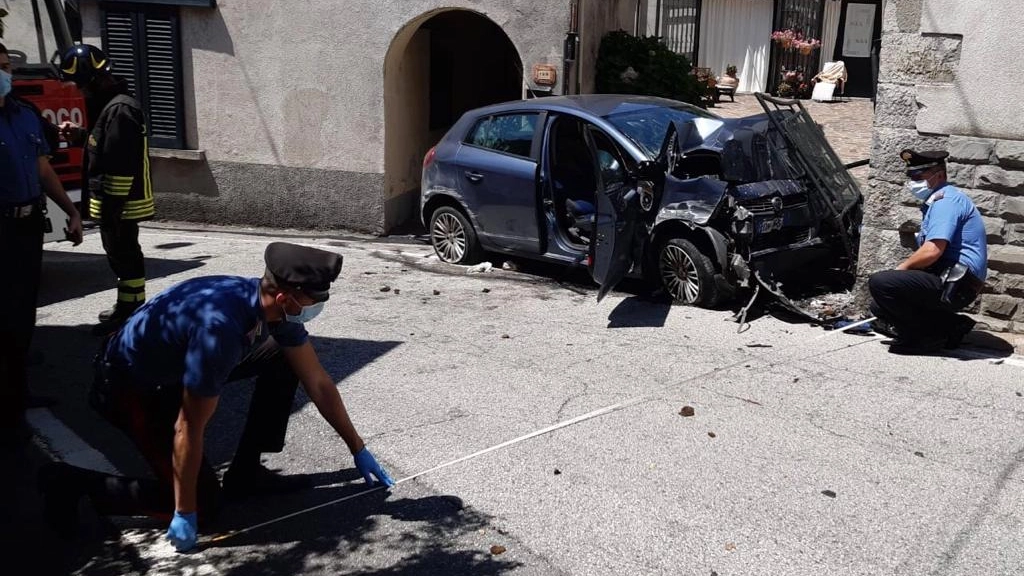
(618, 231)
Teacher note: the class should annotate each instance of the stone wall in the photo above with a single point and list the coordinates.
(926, 100)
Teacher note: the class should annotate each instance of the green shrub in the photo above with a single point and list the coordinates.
(628, 64)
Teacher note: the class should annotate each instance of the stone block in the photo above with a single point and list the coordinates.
(885, 151)
(1009, 259)
(971, 150)
(999, 305)
(999, 179)
(911, 58)
(1002, 283)
(1011, 208)
(879, 250)
(994, 229)
(1014, 234)
(1010, 153)
(988, 203)
(896, 106)
(960, 173)
(908, 15)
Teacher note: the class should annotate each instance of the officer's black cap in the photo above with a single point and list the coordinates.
(308, 270)
(924, 159)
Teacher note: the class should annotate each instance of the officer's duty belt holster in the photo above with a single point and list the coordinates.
(959, 286)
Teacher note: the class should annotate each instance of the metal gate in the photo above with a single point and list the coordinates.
(678, 24)
(805, 17)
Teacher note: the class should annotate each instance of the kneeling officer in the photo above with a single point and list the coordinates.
(160, 376)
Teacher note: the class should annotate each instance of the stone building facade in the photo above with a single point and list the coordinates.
(948, 80)
(318, 114)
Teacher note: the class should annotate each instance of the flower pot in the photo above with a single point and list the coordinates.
(806, 50)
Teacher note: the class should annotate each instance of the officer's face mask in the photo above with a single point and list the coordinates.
(920, 189)
(5, 83)
(306, 313)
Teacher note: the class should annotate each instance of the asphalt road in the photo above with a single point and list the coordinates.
(809, 452)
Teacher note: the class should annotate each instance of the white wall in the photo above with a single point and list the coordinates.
(281, 84)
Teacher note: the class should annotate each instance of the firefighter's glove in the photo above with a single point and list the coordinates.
(183, 531)
(369, 468)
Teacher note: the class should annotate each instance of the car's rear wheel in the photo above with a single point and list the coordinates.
(453, 237)
(688, 274)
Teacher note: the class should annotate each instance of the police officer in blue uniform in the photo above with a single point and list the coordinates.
(25, 175)
(921, 297)
(160, 376)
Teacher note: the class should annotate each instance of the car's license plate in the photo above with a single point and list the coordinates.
(769, 225)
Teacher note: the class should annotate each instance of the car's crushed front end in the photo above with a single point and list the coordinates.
(770, 193)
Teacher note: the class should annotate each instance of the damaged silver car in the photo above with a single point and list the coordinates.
(647, 187)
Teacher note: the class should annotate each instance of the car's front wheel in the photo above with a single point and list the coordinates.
(453, 237)
(688, 274)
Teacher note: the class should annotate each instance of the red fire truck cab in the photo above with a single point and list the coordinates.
(36, 33)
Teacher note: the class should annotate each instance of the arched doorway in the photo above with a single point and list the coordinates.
(438, 67)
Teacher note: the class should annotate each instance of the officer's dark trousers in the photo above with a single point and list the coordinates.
(910, 300)
(121, 243)
(21, 252)
(149, 421)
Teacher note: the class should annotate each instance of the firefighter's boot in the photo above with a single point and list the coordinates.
(130, 295)
(119, 312)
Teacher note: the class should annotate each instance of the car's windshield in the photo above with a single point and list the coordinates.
(648, 127)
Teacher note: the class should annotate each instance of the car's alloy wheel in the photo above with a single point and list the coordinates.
(679, 274)
(688, 274)
(453, 237)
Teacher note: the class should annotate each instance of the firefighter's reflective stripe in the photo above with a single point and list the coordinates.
(133, 209)
(133, 290)
(117, 185)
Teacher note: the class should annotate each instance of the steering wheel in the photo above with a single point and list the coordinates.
(17, 57)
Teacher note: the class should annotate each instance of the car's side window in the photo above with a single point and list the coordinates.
(508, 133)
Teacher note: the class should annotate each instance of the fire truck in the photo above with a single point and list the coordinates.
(36, 33)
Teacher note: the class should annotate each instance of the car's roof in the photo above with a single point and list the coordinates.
(601, 105)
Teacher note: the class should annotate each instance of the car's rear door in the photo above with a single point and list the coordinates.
(498, 178)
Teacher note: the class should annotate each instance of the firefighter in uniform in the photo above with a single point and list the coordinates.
(919, 300)
(117, 171)
(160, 376)
(25, 175)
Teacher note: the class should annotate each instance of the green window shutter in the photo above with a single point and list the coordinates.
(162, 73)
(146, 49)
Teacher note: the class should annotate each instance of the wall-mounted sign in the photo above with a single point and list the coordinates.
(860, 27)
(545, 75)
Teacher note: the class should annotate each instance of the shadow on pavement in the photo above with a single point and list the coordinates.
(639, 312)
(68, 275)
(377, 534)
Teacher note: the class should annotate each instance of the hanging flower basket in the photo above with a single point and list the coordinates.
(790, 39)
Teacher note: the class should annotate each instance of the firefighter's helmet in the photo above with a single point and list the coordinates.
(82, 62)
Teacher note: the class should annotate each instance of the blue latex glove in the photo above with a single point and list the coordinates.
(369, 467)
(183, 531)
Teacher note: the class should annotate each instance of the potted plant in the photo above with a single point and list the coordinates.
(730, 70)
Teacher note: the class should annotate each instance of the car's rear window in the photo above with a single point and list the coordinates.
(648, 127)
(509, 133)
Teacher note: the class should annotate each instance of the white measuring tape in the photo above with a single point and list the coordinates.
(563, 424)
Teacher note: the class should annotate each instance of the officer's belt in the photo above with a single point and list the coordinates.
(23, 211)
